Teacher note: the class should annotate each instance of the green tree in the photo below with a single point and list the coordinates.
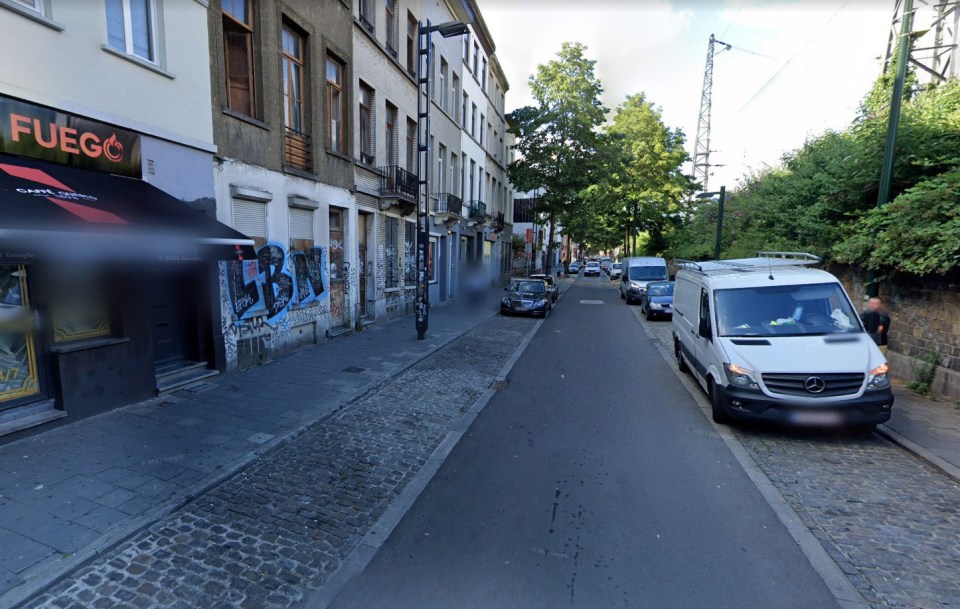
(557, 137)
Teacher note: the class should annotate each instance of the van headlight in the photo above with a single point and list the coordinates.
(740, 377)
(879, 377)
(653, 305)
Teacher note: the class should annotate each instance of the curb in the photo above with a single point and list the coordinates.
(378, 535)
(51, 571)
(920, 452)
(845, 593)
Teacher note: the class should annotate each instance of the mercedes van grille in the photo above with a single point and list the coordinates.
(824, 384)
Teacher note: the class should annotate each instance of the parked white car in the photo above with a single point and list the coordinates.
(769, 339)
(592, 268)
(616, 270)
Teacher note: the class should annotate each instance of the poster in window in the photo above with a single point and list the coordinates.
(18, 361)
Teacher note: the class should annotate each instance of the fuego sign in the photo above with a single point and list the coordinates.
(41, 133)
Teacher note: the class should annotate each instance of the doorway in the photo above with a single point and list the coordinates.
(338, 270)
(366, 279)
(171, 319)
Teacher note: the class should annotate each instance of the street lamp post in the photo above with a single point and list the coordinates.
(425, 160)
(723, 196)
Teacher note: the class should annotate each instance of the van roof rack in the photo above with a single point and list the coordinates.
(763, 260)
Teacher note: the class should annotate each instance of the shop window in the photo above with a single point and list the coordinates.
(18, 359)
(132, 27)
(78, 307)
(238, 56)
(335, 102)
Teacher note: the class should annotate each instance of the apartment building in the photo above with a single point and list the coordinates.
(280, 75)
(108, 265)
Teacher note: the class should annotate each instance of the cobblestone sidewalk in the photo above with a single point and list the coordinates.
(890, 520)
(278, 529)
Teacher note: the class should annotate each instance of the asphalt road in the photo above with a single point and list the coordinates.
(590, 480)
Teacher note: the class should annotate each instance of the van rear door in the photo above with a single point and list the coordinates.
(686, 296)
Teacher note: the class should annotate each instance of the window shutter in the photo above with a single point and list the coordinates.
(301, 224)
(250, 218)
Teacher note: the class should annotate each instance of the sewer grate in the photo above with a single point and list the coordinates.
(354, 370)
(591, 302)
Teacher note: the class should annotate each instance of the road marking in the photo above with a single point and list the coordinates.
(591, 302)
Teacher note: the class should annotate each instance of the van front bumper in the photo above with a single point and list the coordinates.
(872, 408)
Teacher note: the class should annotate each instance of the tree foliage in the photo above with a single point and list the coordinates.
(822, 197)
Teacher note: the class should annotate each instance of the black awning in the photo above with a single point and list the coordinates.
(55, 211)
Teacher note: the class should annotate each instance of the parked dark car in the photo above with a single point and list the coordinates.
(657, 300)
(526, 297)
(551, 283)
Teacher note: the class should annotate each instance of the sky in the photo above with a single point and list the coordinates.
(822, 57)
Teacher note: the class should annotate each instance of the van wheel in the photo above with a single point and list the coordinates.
(719, 414)
(681, 365)
(648, 316)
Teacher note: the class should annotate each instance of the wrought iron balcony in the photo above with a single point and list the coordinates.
(499, 221)
(447, 203)
(478, 210)
(397, 181)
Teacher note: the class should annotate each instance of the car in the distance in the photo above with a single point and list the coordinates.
(616, 270)
(605, 263)
(592, 268)
(526, 297)
(551, 284)
(657, 300)
(575, 268)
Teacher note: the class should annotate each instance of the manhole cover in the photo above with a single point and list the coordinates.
(354, 369)
(591, 302)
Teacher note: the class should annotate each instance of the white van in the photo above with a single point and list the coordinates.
(769, 339)
(637, 273)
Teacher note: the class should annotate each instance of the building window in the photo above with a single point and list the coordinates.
(432, 252)
(132, 28)
(250, 218)
(392, 275)
(366, 124)
(454, 174)
(473, 178)
(442, 84)
(476, 57)
(296, 146)
(454, 96)
(390, 132)
(335, 101)
(390, 11)
(412, 29)
(238, 56)
(463, 112)
(483, 75)
(366, 15)
(79, 307)
(441, 169)
(482, 121)
(37, 6)
(473, 120)
(409, 253)
(301, 229)
(411, 146)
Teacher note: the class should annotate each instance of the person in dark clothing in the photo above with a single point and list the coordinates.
(876, 322)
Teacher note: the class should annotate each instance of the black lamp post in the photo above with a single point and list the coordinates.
(425, 159)
(723, 195)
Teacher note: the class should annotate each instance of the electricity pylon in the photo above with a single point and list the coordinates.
(701, 149)
(934, 38)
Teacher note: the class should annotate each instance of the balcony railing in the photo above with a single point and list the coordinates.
(397, 181)
(447, 203)
(478, 210)
(296, 149)
(499, 221)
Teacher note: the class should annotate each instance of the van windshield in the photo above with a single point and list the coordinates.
(794, 310)
(647, 273)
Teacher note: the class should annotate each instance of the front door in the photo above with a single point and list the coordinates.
(362, 222)
(170, 318)
(20, 379)
(338, 270)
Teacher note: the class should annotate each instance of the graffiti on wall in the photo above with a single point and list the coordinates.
(268, 286)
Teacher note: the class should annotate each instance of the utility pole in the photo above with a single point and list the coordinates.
(893, 124)
(701, 149)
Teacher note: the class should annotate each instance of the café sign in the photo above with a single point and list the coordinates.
(45, 134)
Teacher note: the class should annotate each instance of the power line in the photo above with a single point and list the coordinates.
(732, 21)
(794, 56)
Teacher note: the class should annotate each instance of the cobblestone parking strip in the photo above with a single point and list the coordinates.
(889, 520)
(277, 530)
